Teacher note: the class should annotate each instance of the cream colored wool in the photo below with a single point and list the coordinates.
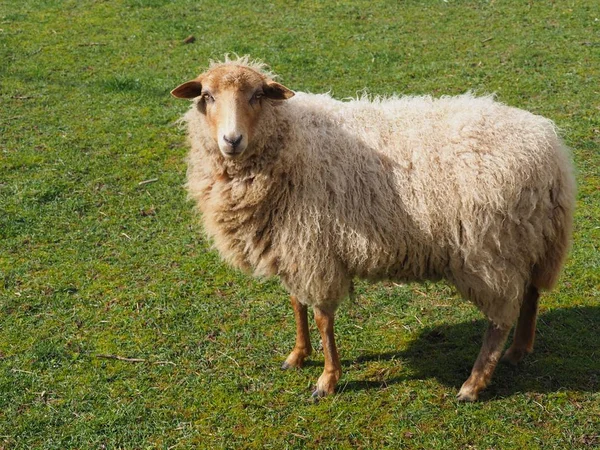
(402, 188)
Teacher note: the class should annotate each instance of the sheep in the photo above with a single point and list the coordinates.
(318, 192)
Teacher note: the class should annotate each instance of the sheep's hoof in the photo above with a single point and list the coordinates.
(326, 384)
(294, 361)
(287, 366)
(466, 394)
(317, 395)
(514, 355)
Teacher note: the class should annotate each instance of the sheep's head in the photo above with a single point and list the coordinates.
(232, 97)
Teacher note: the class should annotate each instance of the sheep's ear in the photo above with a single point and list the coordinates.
(190, 89)
(276, 91)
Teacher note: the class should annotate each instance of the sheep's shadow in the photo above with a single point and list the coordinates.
(566, 356)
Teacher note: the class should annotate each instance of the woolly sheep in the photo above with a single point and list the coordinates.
(318, 191)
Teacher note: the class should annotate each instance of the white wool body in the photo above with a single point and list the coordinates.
(401, 188)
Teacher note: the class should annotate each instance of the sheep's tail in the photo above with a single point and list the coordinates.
(558, 242)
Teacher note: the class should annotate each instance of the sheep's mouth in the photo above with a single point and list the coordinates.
(232, 153)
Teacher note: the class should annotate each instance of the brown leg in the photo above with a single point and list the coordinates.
(302, 348)
(490, 352)
(525, 330)
(333, 369)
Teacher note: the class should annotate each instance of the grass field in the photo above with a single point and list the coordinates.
(101, 254)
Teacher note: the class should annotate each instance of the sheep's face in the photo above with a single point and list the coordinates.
(231, 99)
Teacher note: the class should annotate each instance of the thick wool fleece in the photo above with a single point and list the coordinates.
(407, 188)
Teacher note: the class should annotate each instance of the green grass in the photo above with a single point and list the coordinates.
(93, 263)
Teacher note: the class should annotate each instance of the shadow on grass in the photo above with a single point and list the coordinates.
(566, 356)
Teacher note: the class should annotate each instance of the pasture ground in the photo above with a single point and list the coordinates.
(101, 255)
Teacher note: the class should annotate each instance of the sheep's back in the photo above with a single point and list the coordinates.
(424, 188)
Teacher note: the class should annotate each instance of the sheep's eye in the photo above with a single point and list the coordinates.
(257, 96)
(207, 97)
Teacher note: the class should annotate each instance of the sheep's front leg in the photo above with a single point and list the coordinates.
(333, 369)
(302, 348)
(493, 343)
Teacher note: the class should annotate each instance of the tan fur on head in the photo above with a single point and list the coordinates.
(231, 96)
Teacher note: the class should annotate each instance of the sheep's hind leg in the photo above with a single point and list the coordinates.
(525, 330)
(302, 349)
(490, 352)
(333, 368)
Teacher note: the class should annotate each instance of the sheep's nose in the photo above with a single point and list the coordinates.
(234, 142)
